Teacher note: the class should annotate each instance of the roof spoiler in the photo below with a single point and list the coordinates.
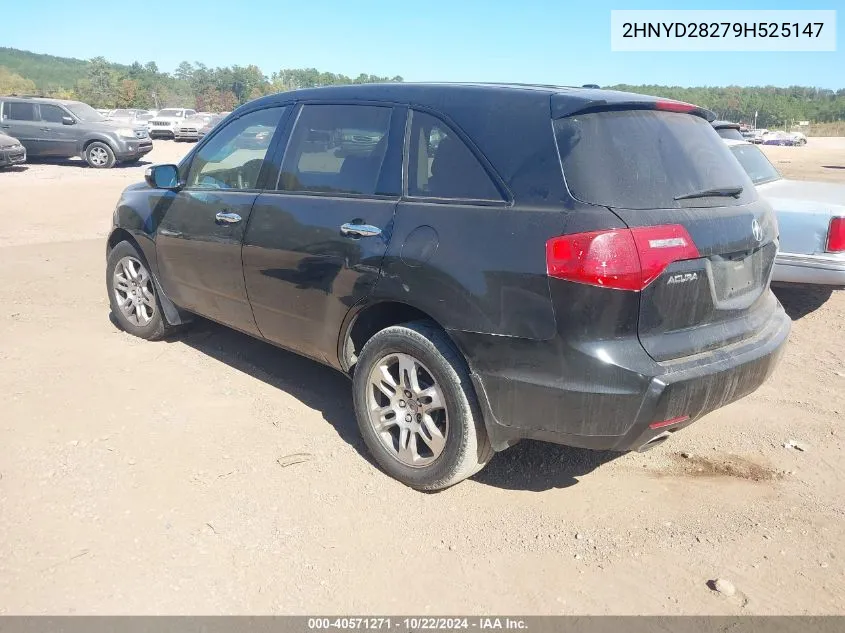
(566, 104)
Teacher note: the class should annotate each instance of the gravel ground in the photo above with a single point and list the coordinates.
(150, 478)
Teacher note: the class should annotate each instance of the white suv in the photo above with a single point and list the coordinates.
(164, 124)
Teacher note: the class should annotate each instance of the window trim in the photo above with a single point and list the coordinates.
(505, 193)
(299, 107)
(263, 175)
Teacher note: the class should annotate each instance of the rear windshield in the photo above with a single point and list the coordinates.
(755, 164)
(645, 159)
(731, 133)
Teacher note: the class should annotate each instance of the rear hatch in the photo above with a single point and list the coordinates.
(705, 240)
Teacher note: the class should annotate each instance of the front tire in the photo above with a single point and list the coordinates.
(132, 293)
(99, 155)
(416, 407)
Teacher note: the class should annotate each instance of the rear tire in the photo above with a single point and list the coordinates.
(132, 293)
(429, 434)
(99, 155)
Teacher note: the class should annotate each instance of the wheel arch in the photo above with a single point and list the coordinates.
(369, 317)
(172, 314)
(97, 139)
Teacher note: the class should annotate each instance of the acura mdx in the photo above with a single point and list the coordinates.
(490, 263)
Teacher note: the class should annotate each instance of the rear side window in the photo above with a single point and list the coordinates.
(19, 111)
(645, 159)
(336, 149)
(440, 165)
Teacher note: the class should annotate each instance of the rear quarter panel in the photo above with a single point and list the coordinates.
(804, 214)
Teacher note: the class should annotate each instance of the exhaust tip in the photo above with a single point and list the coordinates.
(655, 441)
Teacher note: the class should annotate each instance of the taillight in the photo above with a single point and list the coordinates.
(836, 236)
(624, 259)
(674, 106)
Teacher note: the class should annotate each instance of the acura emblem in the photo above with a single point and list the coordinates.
(757, 230)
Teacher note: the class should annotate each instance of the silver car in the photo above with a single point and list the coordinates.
(811, 217)
(189, 129)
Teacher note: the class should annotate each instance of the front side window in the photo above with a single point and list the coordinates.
(233, 158)
(51, 113)
(440, 165)
(336, 149)
(19, 111)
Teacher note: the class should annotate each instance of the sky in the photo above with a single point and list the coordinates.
(533, 41)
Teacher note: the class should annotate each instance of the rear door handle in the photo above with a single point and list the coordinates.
(360, 230)
(224, 217)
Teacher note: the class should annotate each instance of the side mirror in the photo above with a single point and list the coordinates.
(68, 120)
(162, 177)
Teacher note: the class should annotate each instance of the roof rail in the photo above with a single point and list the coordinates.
(26, 96)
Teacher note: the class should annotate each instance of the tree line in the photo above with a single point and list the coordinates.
(775, 107)
(103, 84)
(194, 85)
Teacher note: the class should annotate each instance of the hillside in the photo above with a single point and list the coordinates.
(46, 71)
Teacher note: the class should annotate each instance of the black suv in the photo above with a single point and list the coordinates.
(491, 263)
(55, 128)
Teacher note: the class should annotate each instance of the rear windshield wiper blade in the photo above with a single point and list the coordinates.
(720, 192)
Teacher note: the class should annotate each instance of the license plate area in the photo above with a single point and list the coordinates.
(740, 274)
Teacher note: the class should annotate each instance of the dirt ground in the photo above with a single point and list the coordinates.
(142, 478)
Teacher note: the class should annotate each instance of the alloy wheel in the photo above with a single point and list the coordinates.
(98, 156)
(133, 289)
(407, 410)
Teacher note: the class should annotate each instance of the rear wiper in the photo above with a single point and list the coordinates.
(721, 192)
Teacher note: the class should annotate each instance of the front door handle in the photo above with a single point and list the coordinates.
(360, 230)
(224, 217)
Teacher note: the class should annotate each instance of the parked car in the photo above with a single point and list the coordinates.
(124, 114)
(754, 136)
(474, 295)
(799, 138)
(189, 129)
(728, 129)
(211, 124)
(780, 137)
(144, 120)
(133, 117)
(55, 128)
(811, 216)
(164, 123)
(11, 151)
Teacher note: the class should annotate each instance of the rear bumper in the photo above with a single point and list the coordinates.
(618, 405)
(827, 269)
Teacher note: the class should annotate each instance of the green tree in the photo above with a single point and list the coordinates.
(12, 83)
